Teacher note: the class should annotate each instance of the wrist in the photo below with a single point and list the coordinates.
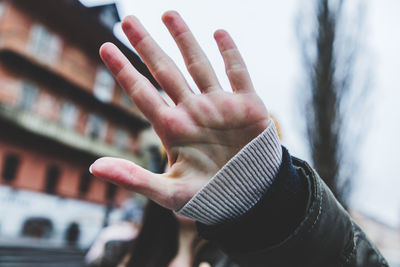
(241, 182)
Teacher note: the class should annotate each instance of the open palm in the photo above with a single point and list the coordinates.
(202, 131)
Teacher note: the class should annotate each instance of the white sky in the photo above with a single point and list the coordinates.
(264, 31)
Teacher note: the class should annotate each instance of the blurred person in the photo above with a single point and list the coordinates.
(164, 238)
(168, 239)
(228, 170)
(114, 241)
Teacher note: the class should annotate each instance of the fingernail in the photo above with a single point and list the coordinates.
(90, 169)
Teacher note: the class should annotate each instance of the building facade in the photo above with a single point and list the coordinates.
(60, 108)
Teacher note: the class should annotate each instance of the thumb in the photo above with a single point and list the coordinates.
(131, 176)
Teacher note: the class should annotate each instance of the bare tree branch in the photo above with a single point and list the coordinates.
(329, 54)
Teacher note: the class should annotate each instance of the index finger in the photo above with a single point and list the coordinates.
(138, 87)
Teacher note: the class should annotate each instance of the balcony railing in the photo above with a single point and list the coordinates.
(54, 131)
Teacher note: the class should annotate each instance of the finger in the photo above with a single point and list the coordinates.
(234, 65)
(160, 65)
(133, 177)
(142, 92)
(196, 61)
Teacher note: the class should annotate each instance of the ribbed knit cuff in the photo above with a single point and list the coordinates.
(240, 184)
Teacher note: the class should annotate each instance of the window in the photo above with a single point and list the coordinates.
(104, 85)
(69, 115)
(29, 96)
(121, 139)
(84, 184)
(44, 44)
(10, 167)
(38, 227)
(52, 178)
(95, 127)
(47, 106)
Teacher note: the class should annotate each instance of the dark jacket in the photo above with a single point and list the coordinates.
(322, 235)
(298, 222)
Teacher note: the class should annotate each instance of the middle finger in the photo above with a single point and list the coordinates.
(196, 61)
(160, 64)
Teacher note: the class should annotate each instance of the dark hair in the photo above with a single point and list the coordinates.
(157, 242)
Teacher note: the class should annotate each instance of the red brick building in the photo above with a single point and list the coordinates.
(60, 108)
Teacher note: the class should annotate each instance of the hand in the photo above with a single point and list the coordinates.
(203, 131)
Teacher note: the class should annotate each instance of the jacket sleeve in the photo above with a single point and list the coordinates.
(298, 222)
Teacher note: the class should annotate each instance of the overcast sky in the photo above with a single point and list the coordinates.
(265, 34)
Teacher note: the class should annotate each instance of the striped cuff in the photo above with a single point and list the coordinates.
(240, 184)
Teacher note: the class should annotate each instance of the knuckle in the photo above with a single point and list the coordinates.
(235, 70)
(228, 107)
(162, 69)
(196, 63)
(161, 65)
(170, 121)
(205, 107)
(126, 79)
(143, 42)
(174, 127)
(230, 53)
(236, 66)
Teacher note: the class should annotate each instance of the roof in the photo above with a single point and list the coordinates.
(83, 26)
(107, 14)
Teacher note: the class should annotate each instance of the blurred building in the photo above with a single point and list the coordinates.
(60, 109)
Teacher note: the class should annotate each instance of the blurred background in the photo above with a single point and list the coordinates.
(327, 71)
